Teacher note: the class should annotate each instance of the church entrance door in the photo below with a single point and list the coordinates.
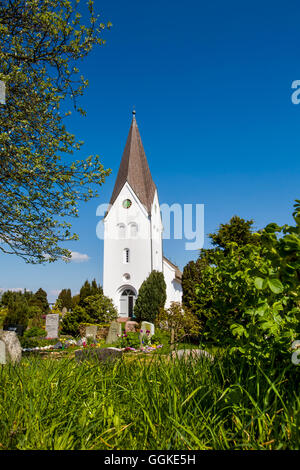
(127, 303)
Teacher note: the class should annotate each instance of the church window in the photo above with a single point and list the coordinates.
(126, 203)
(133, 229)
(121, 230)
(126, 255)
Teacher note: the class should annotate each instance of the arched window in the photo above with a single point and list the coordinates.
(121, 230)
(133, 229)
(126, 255)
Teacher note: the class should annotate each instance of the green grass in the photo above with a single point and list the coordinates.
(147, 403)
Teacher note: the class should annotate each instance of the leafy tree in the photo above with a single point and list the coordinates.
(100, 309)
(17, 314)
(11, 296)
(87, 290)
(3, 313)
(65, 299)
(75, 300)
(35, 316)
(72, 320)
(97, 309)
(33, 304)
(151, 298)
(192, 275)
(180, 321)
(40, 300)
(42, 42)
(249, 298)
(237, 230)
(96, 288)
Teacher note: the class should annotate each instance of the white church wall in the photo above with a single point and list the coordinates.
(116, 268)
(156, 233)
(174, 288)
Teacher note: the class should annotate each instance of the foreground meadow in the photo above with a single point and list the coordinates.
(148, 403)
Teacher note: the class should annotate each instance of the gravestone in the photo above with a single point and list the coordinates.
(100, 354)
(2, 92)
(10, 347)
(52, 324)
(64, 312)
(131, 326)
(115, 330)
(192, 354)
(147, 326)
(2, 352)
(91, 331)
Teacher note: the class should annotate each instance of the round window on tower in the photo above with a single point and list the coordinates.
(126, 203)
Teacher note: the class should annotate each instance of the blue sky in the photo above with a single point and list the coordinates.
(211, 84)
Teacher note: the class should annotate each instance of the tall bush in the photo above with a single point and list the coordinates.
(249, 297)
(151, 298)
(97, 309)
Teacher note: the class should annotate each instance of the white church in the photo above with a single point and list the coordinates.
(133, 245)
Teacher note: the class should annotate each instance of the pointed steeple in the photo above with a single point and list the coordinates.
(134, 169)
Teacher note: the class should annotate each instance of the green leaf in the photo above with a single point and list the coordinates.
(275, 285)
(258, 282)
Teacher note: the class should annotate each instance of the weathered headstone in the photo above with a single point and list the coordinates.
(147, 328)
(99, 354)
(64, 312)
(2, 92)
(91, 331)
(52, 325)
(115, 330)
(10, 347)
(131, 326)
(192, 354)
(2, 352)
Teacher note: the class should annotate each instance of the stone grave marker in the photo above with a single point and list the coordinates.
(2, 352)
(10, 347)
(64, 312)
(186, 354)
(91, 331)
(2, 92)
(100, 354)
(52, 324)
(147, 326)
(115, 329)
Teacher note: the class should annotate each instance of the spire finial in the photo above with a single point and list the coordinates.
(133, 112)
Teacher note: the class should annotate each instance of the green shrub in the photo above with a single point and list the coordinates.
(249, 295)
(34, 331)
(28, 342)
(72, 320)
(129, 340)
(151, 298)
(98, 309)
(161, 337)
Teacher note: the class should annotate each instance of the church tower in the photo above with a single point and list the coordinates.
(133, 229)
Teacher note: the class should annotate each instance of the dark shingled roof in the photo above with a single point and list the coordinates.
(135, 170)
